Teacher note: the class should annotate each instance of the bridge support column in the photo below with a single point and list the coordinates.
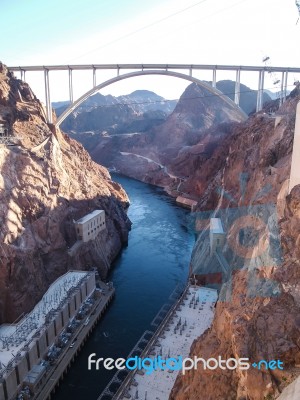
(260, 92)
(23, 75)
(94, 77)
(283, 87)
(237, 87)
(47, 95)
(295, 166)
(70, 86)
(214, 81)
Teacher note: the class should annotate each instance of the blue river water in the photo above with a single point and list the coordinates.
(145, 274)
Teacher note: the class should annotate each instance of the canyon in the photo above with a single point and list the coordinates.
(224, 162)
(259, 314)
(122, 134)
(204, 149)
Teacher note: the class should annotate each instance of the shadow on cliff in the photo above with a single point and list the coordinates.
(35, 237)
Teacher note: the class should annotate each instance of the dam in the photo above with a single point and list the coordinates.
(36, 351)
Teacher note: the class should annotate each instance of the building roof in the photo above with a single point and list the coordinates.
(89, 216)
(216, 225)
(185, 201)
(13, 337)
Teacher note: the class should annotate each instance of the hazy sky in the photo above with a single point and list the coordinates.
(241, 32)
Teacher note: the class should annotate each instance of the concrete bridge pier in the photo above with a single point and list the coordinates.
(283, 88)
(214, 81)
(94, 77)
(70, 85)
(47, 96)
(260, 92)
(285, 85)
(237, 87)
(23, 75)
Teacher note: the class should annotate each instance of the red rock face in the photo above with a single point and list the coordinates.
(260, 326)
(47, 181)
(175, 148)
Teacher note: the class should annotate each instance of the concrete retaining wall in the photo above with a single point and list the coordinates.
(51, 333)
(91, 283)
(11, 383)
(58, 323)
(22, 368)
(43, 344)
(78, 299)
(33, 354)
(2, 397)
(65, 312)
(72, 306)
(83, 292)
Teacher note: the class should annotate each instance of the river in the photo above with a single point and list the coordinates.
(144, 275)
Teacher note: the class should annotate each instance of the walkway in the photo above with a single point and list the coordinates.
(191, 317)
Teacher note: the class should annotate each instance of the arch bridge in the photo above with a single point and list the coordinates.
(157, 69)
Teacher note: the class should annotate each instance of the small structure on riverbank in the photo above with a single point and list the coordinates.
(216, 234)
(186, 202)
(88, 227)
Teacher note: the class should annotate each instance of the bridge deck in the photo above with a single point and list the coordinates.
(154, 66)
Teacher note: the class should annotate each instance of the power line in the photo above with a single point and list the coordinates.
(142, 28)
(210, 15)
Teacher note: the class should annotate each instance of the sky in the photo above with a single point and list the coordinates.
(238, 32)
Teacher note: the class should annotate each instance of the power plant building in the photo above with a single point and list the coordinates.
(216, 234)
(24, 345)
(88, 227)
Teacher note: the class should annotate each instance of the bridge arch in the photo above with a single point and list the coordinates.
(118, 78)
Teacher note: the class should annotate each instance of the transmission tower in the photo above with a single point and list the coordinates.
(267, 61)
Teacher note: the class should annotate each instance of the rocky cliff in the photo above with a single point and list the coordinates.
(199, 119)
(137, 112)
(245, 183)
(47, 181)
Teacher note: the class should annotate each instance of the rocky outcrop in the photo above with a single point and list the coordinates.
(196, 125)
(136, 112)
(258, 313)
(47, 181)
